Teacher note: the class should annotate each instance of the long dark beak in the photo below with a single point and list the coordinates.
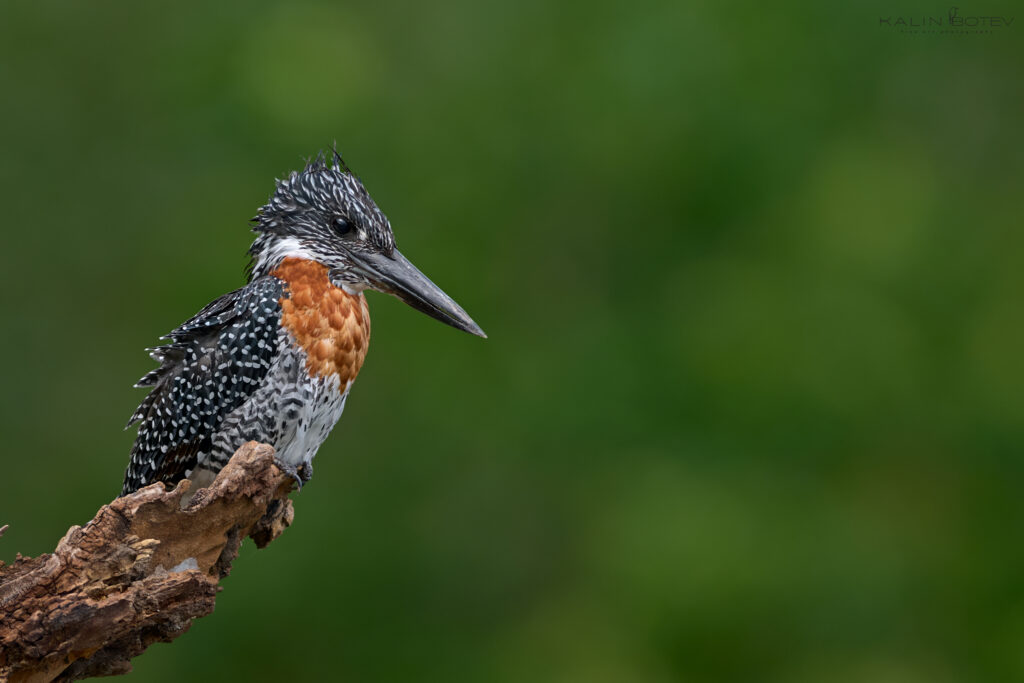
(396, 275)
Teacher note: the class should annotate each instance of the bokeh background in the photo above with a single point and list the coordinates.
(750, 409)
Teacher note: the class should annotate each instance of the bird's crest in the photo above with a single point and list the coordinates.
(306, 202)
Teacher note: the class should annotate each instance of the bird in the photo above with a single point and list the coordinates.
(274, 360)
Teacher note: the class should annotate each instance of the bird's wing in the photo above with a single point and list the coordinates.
(213, 363)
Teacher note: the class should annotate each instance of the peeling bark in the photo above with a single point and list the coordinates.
(137, 574)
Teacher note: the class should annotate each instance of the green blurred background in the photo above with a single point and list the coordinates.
(750, 409)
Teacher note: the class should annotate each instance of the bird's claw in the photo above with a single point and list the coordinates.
(291, 471)
(300, 475)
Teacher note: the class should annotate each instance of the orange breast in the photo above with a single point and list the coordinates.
(331, 325)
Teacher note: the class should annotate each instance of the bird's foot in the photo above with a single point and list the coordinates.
(292, 472)
(306, 471)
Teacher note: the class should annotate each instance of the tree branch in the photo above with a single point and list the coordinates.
(138, 573)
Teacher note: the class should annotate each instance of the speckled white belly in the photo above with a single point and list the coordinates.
(318, 414)
(291, 411)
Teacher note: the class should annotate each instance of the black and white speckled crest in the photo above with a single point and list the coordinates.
(322, 213)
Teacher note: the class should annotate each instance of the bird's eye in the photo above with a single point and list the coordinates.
(342, 226)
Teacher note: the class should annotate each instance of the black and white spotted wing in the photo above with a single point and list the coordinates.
(214, 363)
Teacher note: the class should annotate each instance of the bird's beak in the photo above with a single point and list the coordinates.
(396, 275)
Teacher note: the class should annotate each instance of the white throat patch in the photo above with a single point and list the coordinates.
(279, 250)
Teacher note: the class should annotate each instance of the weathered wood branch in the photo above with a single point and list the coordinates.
(138, 573)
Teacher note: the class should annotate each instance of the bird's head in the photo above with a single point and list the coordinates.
(324, 214)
